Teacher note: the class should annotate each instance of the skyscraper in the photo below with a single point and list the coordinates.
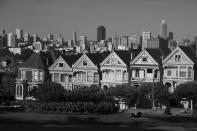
(12, 40)
(19, 34)
(101, 32)
(83, 42)
(75, 37)
(163, 29)
(145, 37)
(170, 36)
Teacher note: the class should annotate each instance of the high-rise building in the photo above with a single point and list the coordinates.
(135, 41)
(4, 38)
(170, 36)
(26, 37)
(83, 42)
(145, 37)
(35, 38)
(1, 41)
(75, 37)
(101, 33)
(124, 41)
(12, 40)
(19, 34)
(50, 37)
(163, 29)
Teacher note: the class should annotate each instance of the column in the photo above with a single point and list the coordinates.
(59, 76)
(52, 76)
(86, 76)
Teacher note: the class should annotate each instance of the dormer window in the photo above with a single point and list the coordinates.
(85, 63)
(60, 64)
(177, 57)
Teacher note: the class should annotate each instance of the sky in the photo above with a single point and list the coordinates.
(125, 17)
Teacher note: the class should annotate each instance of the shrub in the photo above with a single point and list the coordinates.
(167, 111)
(49, 92)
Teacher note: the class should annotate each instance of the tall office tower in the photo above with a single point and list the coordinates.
(135, 41)
(163, 29)
(26, 37)
(170, 36)
(50, 37)
(124, 41)
(115, 41)
(1, 41)
(59, 39)
(35, 38)
(83, 42)
(145, 37)
(75, 37)
(12, 40)
(19, 34)
(4, 38)
(101, 33)
(70, 43)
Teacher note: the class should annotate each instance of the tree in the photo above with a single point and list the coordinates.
(187, 90)
(127, 94)
(161, 93)
(49, 92)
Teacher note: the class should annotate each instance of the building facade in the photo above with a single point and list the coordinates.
(179, 67)
(101, 33)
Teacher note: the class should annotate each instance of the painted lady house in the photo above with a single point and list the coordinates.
(86, 69)
(115, 68)
(31, 72)
(146, 67)
(61, 70)
(179, 67)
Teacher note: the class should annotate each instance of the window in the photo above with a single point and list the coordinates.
(169, 73)
(85, 63)
(36, 75)
(81, 76)
(118, 75)
(41, 76)
(149, 70)
(56, 77)
(182, 73)
(177, 57)
(113, 61)
(90, 76)
(96, 77)
(23, 75)
(125, 75)
(19, 90)
(190, 72)
(155, 75)
(144, 59)
(62, 78)
(137, 73)
(61, 64)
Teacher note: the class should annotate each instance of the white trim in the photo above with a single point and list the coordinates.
(109, 56)
(139, 56)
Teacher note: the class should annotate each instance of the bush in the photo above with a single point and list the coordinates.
(65, 107)
(49, 92)
(167, 111)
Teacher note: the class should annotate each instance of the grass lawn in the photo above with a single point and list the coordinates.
(114, 120)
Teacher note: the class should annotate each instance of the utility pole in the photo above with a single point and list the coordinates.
(153, 96)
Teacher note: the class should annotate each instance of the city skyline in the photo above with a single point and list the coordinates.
(123, 17)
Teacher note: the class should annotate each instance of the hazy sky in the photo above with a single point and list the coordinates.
(125, 17)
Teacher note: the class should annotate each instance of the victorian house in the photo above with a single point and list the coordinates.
(115, 68)
(61, 70)
(87, 69)
(146, 67)
(179, 67)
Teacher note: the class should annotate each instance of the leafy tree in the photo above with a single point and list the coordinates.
(187, 90)
(128, 94)
(49, 92)
(161, 93)
(25, 54)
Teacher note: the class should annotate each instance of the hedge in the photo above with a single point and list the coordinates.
(65, 107)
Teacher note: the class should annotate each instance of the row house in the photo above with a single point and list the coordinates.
(179, 67)
(115, 68)
(72, 71)
(146, 67)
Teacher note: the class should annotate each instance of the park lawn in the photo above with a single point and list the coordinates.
(115, 119)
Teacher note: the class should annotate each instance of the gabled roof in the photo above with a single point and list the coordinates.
(71, 59)
(35, 62)
(157, 54)
(189, 53)
(97, 58)
(126, 55)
